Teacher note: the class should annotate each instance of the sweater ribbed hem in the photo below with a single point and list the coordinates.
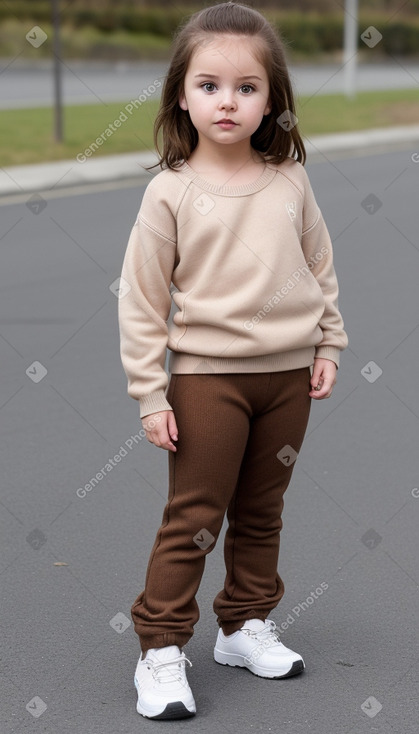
(332, 353)
(153, 403)
(182, 363)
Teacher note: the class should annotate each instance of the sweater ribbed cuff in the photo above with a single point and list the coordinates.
(153, 403)
(326, 352)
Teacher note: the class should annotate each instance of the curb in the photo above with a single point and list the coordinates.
(48, 177)
(375, 140)
(68, 173)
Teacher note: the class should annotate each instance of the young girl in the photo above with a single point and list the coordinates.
(231, 232)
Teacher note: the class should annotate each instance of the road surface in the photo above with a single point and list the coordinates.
(22, 85)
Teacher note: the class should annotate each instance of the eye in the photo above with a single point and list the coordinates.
(247, 88)
(208, 84)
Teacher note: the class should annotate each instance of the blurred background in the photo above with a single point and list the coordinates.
(105, 54)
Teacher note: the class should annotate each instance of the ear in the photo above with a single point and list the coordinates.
(268, 108)
(182, 102)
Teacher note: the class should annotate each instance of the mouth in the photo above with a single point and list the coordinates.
(226, 122)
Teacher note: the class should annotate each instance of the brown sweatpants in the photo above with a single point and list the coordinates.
(238, 438)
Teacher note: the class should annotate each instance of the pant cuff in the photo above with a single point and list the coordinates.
(229, 627)
(163, 640)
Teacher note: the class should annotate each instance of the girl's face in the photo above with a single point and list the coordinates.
(226, 90)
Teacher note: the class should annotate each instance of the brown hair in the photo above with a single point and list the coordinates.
(179, 136)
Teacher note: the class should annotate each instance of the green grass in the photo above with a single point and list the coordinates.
(335, 113)
(26, 136)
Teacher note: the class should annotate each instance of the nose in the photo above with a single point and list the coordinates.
(227, 100)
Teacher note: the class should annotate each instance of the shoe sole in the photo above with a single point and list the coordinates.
(174, 710)
(235, 661)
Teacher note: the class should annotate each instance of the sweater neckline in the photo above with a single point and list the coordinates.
(259, 183)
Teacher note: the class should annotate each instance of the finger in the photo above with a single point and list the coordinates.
(167, 445)
(319, 395)
(161, 439)
(172, 427)
(322, 390)
(315, 377)
(316, 386)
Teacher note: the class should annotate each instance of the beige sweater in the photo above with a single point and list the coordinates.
(250, 271)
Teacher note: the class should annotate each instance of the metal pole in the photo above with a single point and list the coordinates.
(350, 46)
(56, 49)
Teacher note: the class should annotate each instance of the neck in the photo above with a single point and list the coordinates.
(228, 158)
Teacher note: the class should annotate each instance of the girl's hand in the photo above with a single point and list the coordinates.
(161, 429)
(323, 378)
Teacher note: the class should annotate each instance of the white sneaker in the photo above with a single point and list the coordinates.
(162, 687)
(257, 647)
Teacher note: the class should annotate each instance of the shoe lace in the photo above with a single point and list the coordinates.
(167, 670)
(269, 633)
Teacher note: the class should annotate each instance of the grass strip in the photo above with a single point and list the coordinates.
(26, 135)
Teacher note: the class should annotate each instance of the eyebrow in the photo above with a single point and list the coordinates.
(240, 78)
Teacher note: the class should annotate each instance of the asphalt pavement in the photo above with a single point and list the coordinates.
(72, 562)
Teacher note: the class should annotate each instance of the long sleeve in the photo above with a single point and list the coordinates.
(318, 251)
(144, 309)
